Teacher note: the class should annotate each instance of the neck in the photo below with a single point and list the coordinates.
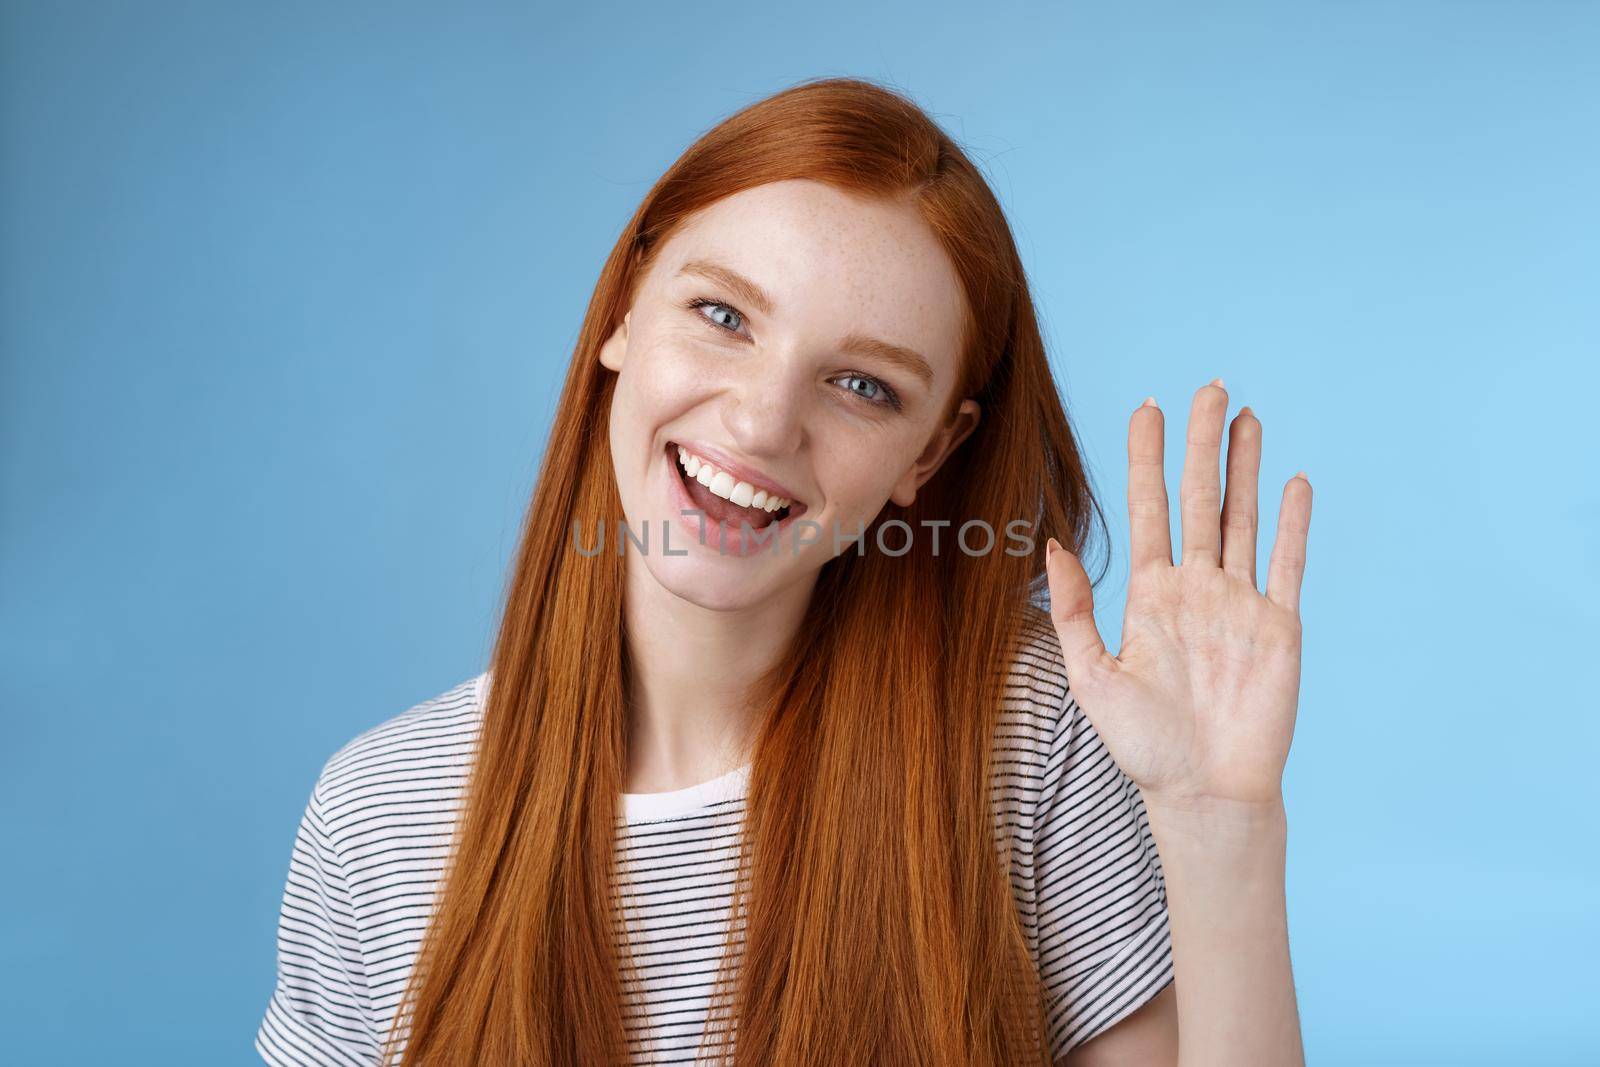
(690, 718)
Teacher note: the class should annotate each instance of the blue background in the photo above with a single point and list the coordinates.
(287, 291)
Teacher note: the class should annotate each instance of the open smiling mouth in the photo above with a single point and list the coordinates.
(716, 493)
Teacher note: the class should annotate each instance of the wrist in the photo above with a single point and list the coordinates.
(1216, 821)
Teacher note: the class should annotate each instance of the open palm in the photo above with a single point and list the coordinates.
(1199, 703)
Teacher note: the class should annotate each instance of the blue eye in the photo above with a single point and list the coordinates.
(870, 387)
(872, 390)
(725, 316)
(726, 311)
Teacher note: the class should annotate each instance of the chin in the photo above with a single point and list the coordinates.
(710, 582)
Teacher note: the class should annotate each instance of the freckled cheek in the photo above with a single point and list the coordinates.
(897, 453)
(672, 377)
(855, 491)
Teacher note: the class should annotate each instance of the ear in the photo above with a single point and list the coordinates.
(616, 346)
(962, 423)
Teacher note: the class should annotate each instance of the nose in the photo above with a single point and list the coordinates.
(765, 412)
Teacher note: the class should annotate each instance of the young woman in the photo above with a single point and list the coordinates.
(778, 760)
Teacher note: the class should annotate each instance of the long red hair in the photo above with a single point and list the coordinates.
(878, 919)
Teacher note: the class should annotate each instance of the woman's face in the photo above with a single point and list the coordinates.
(803, 342)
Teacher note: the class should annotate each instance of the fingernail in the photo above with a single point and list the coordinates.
(1218, 383)
(1149, 402)
(1050, 547)
(1302, 476)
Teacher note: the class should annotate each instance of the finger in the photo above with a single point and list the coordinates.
(1288, 566)
(1200, 491)
(1149, 527)
(1072, 612)
(1239, 506)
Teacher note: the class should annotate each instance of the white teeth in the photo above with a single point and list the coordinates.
(726, 486)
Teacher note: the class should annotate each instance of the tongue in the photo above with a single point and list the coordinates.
(719, 510)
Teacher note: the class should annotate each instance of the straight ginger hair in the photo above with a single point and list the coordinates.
(874, 918)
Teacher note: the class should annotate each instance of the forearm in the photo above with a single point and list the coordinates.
(1224, 871)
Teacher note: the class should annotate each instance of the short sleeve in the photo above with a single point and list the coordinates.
(1104, 946)
(320, 1011)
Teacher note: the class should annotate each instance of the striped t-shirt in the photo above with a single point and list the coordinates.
(372, 845)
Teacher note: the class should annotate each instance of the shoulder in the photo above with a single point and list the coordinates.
(1036, 713)
(1050, 762)
(1037, 671)
(410, 768)
(1085, 871)
(1036, 702)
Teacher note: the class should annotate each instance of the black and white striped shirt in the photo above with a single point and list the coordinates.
(373, 841)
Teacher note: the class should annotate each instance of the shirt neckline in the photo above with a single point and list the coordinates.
(651, 807)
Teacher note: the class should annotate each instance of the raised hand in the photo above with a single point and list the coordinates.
(1198, 706)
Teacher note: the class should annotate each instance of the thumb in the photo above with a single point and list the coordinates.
(1072, 612)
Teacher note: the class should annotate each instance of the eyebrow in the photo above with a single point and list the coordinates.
(744, 289)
